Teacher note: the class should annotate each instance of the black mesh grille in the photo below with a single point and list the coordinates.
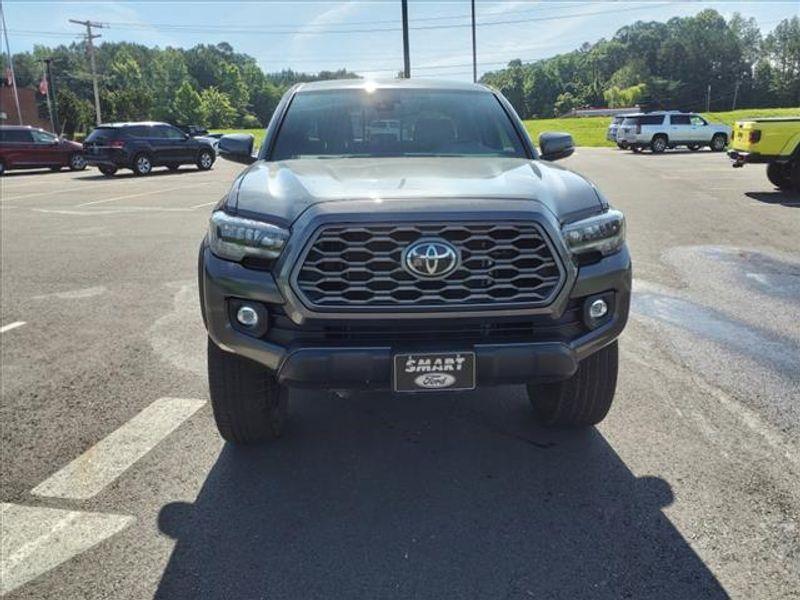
(361, 266)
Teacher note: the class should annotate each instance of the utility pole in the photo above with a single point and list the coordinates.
(406, 59)
(10, 63)
(89, 37)
(474, 48)
(708, 98)
(735, 94)
(51, 93)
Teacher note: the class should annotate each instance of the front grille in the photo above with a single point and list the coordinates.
(505, 263)
(534, 328)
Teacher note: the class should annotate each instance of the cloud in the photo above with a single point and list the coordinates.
(333, 16)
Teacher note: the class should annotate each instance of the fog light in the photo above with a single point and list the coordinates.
(598, 309)
(247, 316)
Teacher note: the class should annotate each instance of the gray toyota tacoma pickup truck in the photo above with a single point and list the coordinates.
(407, 236)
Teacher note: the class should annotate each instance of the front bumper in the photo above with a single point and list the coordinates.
(342, 362)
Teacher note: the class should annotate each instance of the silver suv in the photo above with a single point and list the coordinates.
(613, 130)
(661, 130)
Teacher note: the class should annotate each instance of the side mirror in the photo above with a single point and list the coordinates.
(555, 146)
(237, 147)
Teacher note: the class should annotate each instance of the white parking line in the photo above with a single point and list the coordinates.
(35, 540)
(101, 464)
(139, 194)
(11, 326)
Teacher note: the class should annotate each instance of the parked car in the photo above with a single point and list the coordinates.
(142, 146)
(451, 257)
(613, 127)
(25, 147)
(775, 142)
(211, 138)
(670, 129)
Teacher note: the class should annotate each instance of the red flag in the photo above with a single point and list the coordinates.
(43, 86)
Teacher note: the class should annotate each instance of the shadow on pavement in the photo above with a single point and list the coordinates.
(439, 497)
(157, 172)
(789, 199)
(676, 152)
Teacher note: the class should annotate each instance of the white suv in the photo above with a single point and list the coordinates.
(613, 129)
(661, 130)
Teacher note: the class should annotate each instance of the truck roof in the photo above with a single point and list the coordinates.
(417, 84)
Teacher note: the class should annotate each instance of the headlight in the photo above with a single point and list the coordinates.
(603, 233)
(235, 238)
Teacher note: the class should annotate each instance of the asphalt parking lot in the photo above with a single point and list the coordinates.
(115, 483)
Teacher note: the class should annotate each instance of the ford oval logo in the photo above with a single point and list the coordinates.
(431, 258)
(434, 381)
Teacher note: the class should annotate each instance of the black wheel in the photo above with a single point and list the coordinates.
(583, 399)
(779, 174)
(205, 159)
(77, 162)
(693, 147)
(623, 145)
(142, 164)
(658, 144)
(248, 403)
(108, 171)
(718, 142)
(173, 166)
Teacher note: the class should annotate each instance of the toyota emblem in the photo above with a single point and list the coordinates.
(431, 258)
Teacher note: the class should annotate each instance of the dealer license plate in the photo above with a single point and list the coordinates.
(434, 371)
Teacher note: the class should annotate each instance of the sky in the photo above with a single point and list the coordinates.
(364, 36)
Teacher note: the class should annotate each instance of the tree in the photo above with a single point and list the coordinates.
(565, 103)
(217, 108)
(625, 97)
(187, 106)
(74, 114)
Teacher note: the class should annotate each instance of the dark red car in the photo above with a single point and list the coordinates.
(25, 147)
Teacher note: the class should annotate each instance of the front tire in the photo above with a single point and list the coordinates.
(142, 164)
(248, 403)
(582, 400)
(205, 160)
(659, 144)
(718, 142)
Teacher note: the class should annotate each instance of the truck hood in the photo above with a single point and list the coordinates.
(281, 191)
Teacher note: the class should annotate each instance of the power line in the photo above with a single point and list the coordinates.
(322, 31)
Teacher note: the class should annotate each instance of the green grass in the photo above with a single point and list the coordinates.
(591, 131)
(256, 133)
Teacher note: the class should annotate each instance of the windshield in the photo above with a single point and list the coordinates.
(359, 123)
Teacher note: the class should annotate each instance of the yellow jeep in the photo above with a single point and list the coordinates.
(775, 142)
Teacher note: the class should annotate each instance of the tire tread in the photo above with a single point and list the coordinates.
(585, 398)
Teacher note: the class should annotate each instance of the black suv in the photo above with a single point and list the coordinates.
(142, 146)
(407, 236)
